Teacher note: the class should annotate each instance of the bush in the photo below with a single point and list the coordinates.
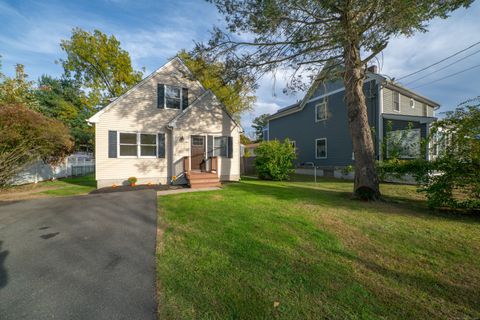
(452, 179)
(274, 160)
(26, 136)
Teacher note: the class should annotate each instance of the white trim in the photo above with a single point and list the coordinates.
(316, 111)
(326, 149)
(96, 117)
(380, 122)
(325, 95)
(138, 145)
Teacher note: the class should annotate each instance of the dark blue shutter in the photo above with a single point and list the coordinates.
(184, 98)
(210, 146)
(230, 147)
(112, 144)
(160, 96)
(161, 145)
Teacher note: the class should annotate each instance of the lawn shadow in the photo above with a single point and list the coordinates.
(84, 181)
(343, 199)
(3, 270)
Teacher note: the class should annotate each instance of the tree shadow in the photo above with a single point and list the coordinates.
(3, 270)
(344, 199)
(84, 181)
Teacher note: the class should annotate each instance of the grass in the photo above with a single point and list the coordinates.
(62, 187)
(300, 250)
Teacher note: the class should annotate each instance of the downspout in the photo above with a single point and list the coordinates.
(380, 121)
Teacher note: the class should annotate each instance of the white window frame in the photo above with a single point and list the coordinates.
(399, 101)
(412, 105)
(138, 144)
(165, 96)
(316, 111)
(326, 148)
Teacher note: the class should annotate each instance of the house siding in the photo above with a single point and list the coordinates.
(301, 127)
(405, 108)
(138, 112)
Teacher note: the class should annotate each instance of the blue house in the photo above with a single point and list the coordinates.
(318, 128)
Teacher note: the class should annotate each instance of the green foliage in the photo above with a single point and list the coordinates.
(99, 63)
(258, 124)
(132, 180)
(235, 92)
(347, 169)
(28, 136)
(244, 139)
(452, 179)
(63, 100)
(17, 90)
(274, 160)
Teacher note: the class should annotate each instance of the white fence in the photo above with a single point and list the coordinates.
(77, 164)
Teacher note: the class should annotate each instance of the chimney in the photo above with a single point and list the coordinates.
(373, 69)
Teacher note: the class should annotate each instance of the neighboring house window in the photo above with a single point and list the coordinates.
(148, 145)
(137, 144)
(294, 144)
(173, 97)
(220, 146)
(128, 145)
(403, 144)
(425, 109)
(321, 148)
(320, 111)
(396, 101)
(412, 103)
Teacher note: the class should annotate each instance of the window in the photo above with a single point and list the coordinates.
(396, 101)
(321, 148)
(424, 110)
(197, 141)
(412, 103)
(321, 111)
(148, 145)
(173, 97)
(137, 144)
(403, 144)
(220, 146)
(294, 144)
(128, 144)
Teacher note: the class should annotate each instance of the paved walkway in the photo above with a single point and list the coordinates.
(185, 190)
(85, 257)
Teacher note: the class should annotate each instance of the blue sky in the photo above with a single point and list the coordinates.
(153, 31)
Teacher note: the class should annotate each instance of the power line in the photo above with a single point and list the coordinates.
(449, 76)
(438, 62)
(448, 65)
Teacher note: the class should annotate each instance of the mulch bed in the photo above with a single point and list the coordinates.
(157, 187)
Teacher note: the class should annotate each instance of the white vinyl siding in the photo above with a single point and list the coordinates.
(396, 101)
(321, 148)
(419, 109)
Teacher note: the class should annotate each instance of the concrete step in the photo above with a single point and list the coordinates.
(195, 185)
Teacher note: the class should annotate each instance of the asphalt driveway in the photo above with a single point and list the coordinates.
(86, 257)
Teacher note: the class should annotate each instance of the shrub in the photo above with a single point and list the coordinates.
(26, 136)
(132, 180)
(452, 179)
(274, 160)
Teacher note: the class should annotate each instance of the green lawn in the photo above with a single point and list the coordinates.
(70, 186)
(299, 250)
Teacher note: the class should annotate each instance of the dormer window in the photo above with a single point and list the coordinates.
(173, 97)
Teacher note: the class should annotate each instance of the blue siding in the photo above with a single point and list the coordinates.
(302, 128)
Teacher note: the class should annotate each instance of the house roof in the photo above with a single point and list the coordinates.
(370, 76)
(204, 95)
(96, 117)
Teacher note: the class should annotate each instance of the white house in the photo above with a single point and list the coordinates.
(166, 129)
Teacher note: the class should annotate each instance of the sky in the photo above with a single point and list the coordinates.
(154, 31)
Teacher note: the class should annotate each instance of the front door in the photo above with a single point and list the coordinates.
(197, 152)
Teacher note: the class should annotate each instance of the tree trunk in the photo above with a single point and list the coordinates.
(366, 185)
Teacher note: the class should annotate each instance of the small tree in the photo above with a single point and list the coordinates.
(233, 90)
(274, 160)
(258, 124)
(26, 136)
(18, 90)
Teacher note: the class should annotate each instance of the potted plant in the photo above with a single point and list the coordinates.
(132, 181)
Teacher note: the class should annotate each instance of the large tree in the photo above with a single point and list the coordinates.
(18, 89)
(258, 124)
(98, 62)
(307, 34)
(233, 90)
(63, 100)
